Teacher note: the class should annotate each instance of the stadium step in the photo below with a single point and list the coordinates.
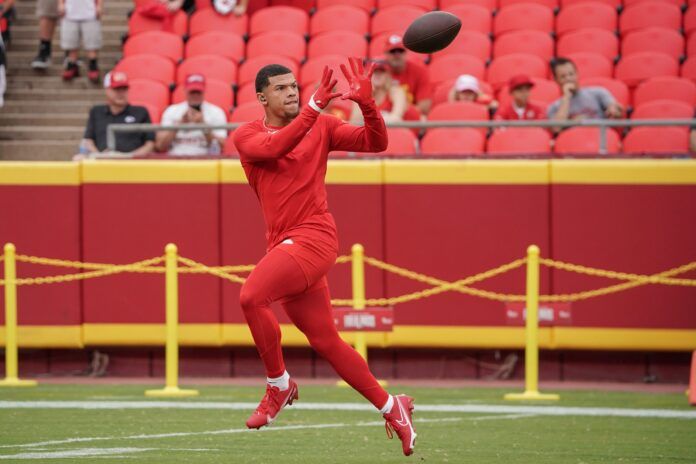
(114, 31)
(43, 119)
(65, 133)
(49, 95)
(31, 45)
(35, 150)
(55, 107)
(28, 9)
(51, 80)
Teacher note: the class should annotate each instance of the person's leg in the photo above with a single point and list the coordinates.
(92, 38)
(311, 312)
(47, 12)
(70, 42)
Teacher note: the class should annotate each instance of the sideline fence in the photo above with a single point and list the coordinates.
(175, 265)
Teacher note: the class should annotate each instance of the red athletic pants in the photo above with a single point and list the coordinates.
(278, 276)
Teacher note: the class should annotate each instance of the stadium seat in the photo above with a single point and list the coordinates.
(678, 3)
(144, 66)
(376, 49)
(688, 68)
(551, 4)
(249, 68)
(533, 42)
(137, 24)
(474, 17)
(281, 43)
(452, 66)
(691, 45)
(161, 43)
(307, 5)
(502, 69)
(230, 46)
(401, 142)
(367, 5)
(313, 69)
(543, 93)
(523, 16)
(208, 20)
(592, 64)
(247, 112)
(394, 20)
(585, 141)
(473, 43)
(352, 19)
(443, 89)
(344, 43)
(211, 66)
(489, 5)
(449, 141)
(611, 3)
(229, 149)
(649, 14)
(147, 91)
(663, 109)
(640, 66)
(656, 140)
(519, 141)
(592, 40)
(653, 39)
(460, 111)
(279, 18)
(216, 92)
(246, 93)
(584, 15)
(427, 5)
(690, 21)
(617, 88)
(665, 88)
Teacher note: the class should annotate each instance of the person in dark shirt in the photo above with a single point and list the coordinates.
(117, 111)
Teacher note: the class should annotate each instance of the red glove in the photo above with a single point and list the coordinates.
(359, 82)
(324, 94)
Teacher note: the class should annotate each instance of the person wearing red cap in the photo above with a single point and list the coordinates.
(519, 107)
(411, 75)
(193, 110)
(117, 111)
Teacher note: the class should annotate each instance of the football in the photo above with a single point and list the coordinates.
(432, 32)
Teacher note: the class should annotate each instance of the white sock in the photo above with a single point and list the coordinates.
(282, 382)
(388, 405)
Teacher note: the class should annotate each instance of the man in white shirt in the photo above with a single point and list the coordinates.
(194, 110)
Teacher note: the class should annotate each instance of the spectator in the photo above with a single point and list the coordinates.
(466, 88)
(47, 11)
(390, 99)
(195, 110)
(519, 107)
(162, 10)
(236, 7)
(81, 19)
(579, 102)
(117, 111)
(410, 75)
(6, 13)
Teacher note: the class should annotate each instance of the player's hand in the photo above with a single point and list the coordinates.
(325, 93)
(359, 82)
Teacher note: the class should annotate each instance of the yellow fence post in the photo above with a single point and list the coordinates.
(531, 358)
(11, 367)
(171, 388)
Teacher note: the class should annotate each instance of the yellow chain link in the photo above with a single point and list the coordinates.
(647, 279)
(211, 270)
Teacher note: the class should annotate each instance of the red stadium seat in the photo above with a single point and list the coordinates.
(246, 93)
(394, 20)
(688, 68)
(617, 88)
(281, 43)
(592, 64)
(649, 14)
(377, 44)
(502, 69)
(584, 15)
(663, 109)
(154, 67)
(523, 16)
(665, 88)
(247, 112)
(585, 140)
(367, 5)
(473, 17)
(453, 141)
(352, 19)
(611, 3)
(344, 43)
(427, 5)
(248, 69)
(519, 141)
(460, 111)
(165, 44)
(472, 43)
(313, 69)
(443, 89)
(307, 5)
(147, 91)
(490, 5)
(211, 66)
(216, 92)
(691, 45)
(138, 24)
(551, 4)
(229, 149)
(452, 66)
(636, 68)
(678, 3)
(592, 40)
(690, 21)
(279, 18)
(230, 46)
(656, 140)
(533, 42)
(543, 93)
(653, 39)
(209, 20)
(401, 142)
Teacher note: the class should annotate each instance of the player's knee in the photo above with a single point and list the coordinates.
(249, 298)
(323, 345)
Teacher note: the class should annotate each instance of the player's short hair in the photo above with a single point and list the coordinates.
(560, 61)
(267, 71)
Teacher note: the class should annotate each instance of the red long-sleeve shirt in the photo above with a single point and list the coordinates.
(286, 167)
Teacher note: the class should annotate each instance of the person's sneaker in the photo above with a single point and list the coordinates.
(273, 401)
(93, 76)
(71, 72)
(41, 62)
(400, 420)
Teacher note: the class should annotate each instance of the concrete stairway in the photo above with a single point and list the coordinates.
(44, 117)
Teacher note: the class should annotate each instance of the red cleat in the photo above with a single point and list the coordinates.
(70, 73)
(273, 401)
(93, 76)
(399, 420)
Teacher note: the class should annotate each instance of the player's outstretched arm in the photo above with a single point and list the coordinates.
(254, 145)
(372, 137)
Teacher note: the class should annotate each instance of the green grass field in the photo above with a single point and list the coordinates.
(454, 425)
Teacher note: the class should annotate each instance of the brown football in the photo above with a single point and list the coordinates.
(432, 32)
